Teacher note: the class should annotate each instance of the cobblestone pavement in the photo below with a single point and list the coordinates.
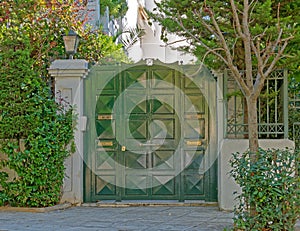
(120, 219)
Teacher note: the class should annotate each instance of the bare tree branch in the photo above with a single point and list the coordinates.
(247, 44)
(229, 57)
(171, 43)
(278, 16)
(260, 77)
(254, 2)
(236, 19)
(257, 52)
(278, 56)
(207, 26)
(201, 43)
(202, 62)
(258, 87)
(268, 54)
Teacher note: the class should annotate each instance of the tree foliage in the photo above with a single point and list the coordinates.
(250, 38)
(194, 21)
(46, 22)
(116, 8)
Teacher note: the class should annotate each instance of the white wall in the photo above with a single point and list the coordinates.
(227, 185)
(151, 46)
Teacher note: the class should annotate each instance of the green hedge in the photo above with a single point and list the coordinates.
(28, 113)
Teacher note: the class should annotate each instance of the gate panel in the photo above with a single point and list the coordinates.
(150, 136)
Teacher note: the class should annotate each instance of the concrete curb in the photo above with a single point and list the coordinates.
(104, 204)
(36, 210)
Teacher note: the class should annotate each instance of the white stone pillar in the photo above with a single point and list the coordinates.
(220, 125)
(69, 75)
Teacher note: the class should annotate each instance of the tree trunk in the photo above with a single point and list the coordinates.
(252, 127)
(253, 137)
(245, 111)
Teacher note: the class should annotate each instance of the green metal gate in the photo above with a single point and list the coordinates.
(148, 134)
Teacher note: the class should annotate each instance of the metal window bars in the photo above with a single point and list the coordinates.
(272, 108)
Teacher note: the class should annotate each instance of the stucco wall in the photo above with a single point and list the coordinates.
(69, 75)
(227, 185)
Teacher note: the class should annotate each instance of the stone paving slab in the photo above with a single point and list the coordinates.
(161, 218)
(141, 218)
(35, 210)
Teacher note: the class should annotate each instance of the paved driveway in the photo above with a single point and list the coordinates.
(120, 219)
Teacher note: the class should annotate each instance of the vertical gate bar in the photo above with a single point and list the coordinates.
(225, 88)
(259, 116)
(276, 107)
(88, 184)
(285, 104)
(268, 109)
(180, 182)
(119, 153)
(236, 111)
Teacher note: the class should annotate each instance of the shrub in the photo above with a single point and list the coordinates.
(30, 116)
(269, 198)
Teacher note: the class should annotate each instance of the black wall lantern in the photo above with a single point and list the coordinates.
(71, 41)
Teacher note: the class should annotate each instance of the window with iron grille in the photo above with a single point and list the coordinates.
(272, 108)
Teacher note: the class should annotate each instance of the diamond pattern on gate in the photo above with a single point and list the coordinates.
(163, 79)
(163, 104)
(194, 103)
(136, 104)
(136, 161)
(105, 161)
(194, 161)
(138, 78)
(165, 185)
(105, 104)
(271, 128)
(105, 129)
(237, 128)
(136, 184)
(106, 85)
(163, 160)
(137, 129)
(158, 132)
(194, 129)
(190, 84)
(194, 184)
(105, 188)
